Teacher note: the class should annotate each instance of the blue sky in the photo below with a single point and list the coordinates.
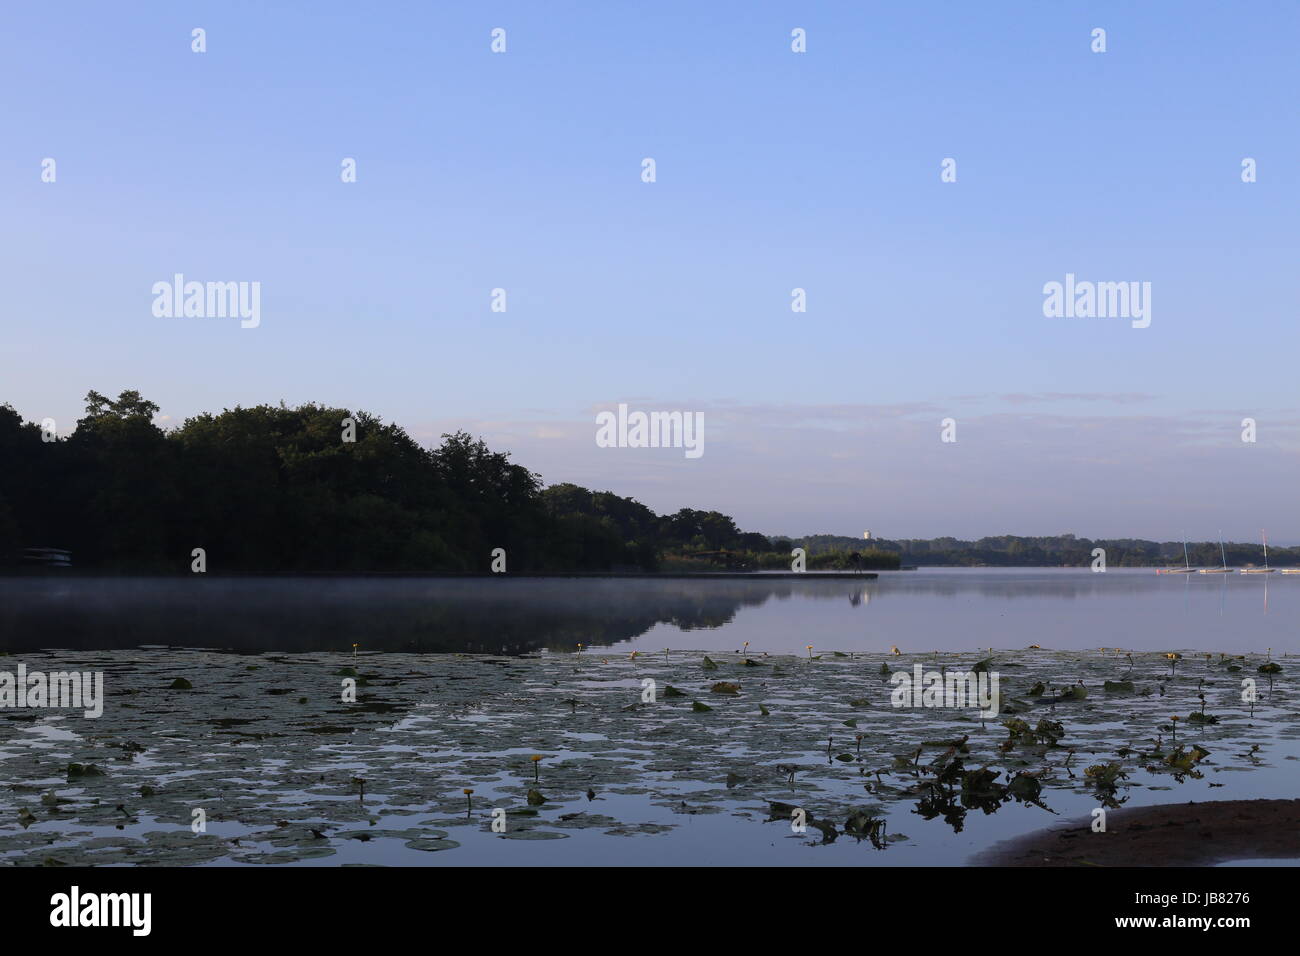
(775, 170)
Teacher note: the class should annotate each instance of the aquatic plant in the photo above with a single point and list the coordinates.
(1186, 760)
(866, 823)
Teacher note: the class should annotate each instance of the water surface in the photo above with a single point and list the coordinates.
(929, 609)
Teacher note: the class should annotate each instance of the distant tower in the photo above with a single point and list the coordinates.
(866, 536)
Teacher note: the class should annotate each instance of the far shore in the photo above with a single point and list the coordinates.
(477, 575)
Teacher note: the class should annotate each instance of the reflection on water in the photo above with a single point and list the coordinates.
(949, 609)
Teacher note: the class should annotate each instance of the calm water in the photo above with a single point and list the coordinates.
(930, 609)
(939, 609)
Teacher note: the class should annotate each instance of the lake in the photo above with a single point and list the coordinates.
(229, 696)
(929, 609)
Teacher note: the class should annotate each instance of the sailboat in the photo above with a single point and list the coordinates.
(1265, 569)
(1223, 570)
(1187, 565)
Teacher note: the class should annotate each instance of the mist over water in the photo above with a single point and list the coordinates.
(929, 609)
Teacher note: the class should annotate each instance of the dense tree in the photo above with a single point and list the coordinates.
(315, 488)
(310, 488)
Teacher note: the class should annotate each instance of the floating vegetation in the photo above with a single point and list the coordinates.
(437, 746)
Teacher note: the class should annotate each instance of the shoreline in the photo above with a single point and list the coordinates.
(1174, 834)
(473, 575)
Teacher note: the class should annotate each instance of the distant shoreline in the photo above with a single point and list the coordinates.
(48, 573)
(96, 574)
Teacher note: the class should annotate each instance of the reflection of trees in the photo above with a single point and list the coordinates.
(441, 614)
(422, 615)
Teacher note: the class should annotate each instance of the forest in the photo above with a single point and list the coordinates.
(315, 489)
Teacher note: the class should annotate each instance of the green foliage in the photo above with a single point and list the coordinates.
(1064, 550)
(275, 489)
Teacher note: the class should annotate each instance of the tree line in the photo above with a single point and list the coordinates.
(1063, 550)
(278, 489)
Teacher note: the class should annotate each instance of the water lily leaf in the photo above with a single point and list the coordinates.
(432, 845)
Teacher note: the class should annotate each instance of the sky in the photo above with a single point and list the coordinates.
(774, 171)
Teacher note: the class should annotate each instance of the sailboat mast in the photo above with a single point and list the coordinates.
(1222, 553)
(1186, 561)
(1265, 537)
